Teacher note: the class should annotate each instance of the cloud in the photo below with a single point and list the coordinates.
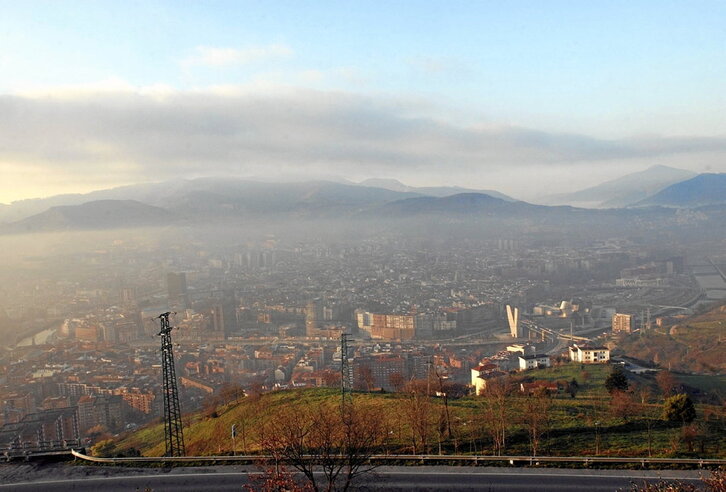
(142, 135)
(208, 56)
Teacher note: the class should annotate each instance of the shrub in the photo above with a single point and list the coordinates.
(679, 408)
(103, 449)
(616, 380)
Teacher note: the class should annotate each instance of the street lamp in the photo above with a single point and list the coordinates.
(597, 438)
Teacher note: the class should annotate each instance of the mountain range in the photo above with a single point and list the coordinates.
(220, 200)
(235, 194)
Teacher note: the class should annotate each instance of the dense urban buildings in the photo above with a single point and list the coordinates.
(83, 358)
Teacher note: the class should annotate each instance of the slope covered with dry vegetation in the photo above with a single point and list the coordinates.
(579, 418)
(694, 345)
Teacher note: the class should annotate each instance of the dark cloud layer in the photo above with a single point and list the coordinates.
(154, 137)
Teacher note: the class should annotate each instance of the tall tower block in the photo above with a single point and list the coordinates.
(313, 317)
(513, 319)
(176, 287)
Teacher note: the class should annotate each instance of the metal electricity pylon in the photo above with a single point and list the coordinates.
(346, 375)
(173, 433)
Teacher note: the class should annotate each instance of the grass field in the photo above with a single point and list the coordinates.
(584, 425)
(706, 383)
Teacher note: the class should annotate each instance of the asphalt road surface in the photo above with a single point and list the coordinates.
(388, 478)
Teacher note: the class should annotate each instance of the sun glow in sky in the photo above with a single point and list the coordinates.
(524, 97)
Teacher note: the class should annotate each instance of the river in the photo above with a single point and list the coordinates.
(710, 280)
(40, 338)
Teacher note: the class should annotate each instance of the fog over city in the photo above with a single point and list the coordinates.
(466, 230)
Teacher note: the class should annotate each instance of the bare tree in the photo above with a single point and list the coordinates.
(210, 406)
(331, 378)
(622, 404)
(650, 416)
(275, 479)
(417, 409)
(535, 416)
(397, 381)
(338, 443)
(364, 434)
(644, 393)
(286, 437)
(255, 390)
(244, 419)
(666, 382)
(364, 378)
(230, 392)
(495, 414)
(689, 433)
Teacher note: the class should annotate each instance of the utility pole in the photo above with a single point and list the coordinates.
(173, 433)
(234, 440)
(346, 376)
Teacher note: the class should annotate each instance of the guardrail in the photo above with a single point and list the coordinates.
(511, 460)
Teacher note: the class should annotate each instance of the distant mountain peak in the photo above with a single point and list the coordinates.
(704, 189)
(623, 191)
(386, 183)
(462, 203)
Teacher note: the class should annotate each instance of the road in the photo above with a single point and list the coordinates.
(386, 478)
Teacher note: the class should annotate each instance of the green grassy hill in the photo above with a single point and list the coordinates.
(573, 426)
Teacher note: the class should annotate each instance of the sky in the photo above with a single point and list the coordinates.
(526, 97)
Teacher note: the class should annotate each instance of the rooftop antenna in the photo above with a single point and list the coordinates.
(173, 434)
